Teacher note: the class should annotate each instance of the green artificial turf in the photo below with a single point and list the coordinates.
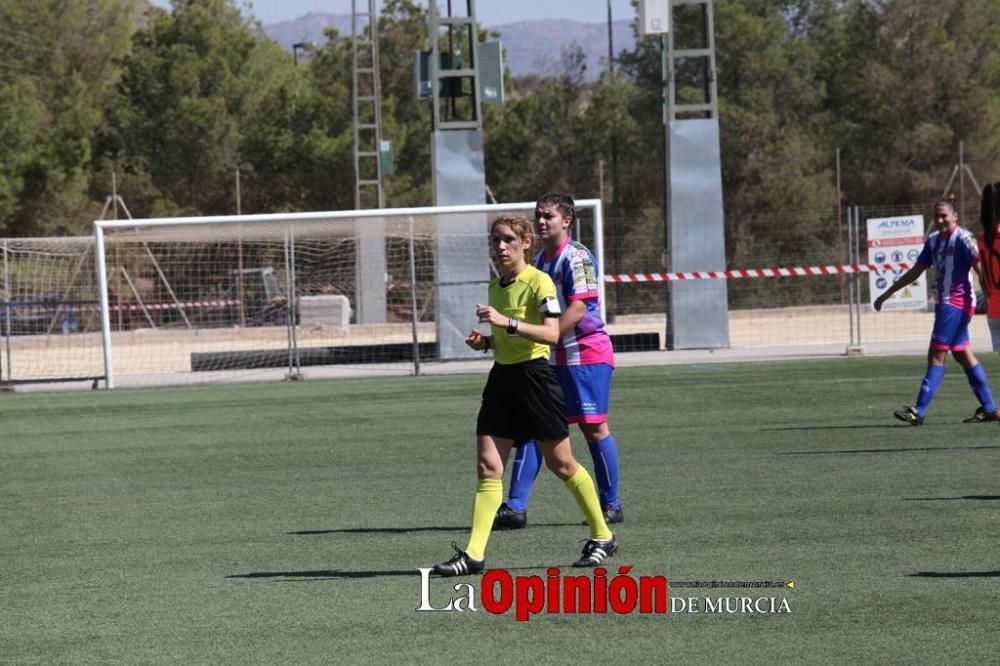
(284, 523)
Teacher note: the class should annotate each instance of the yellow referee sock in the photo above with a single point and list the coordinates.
(582, 487)
(489, 496)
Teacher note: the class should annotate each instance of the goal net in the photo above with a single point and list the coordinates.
(49, 319)
(192, 300)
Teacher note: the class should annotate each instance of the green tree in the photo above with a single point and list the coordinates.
(406, 120)
(623, 131)
(907, 81)
(530, 143)
(182, 98)
(774, 160)
(20, 133)
(296, 137)
(58, 63)
(770, 103)
(553, 132)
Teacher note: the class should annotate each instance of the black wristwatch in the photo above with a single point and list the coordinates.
(511, 326)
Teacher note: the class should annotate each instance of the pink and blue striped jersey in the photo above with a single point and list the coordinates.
(952, 257)
(574, 270)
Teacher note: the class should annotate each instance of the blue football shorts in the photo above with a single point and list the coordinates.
(587, 389)
(951, 328)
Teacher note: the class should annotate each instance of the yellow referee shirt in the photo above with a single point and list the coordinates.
(529, 298)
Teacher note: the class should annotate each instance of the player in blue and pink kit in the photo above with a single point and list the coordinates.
(583, 359)
(952, 251)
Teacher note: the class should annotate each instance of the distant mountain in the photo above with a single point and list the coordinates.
(308, 28)
(537, 47)
(532, 47)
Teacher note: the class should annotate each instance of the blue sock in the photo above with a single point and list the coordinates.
(605, 454)
(928, 387)
(981, 387)
(527, 463)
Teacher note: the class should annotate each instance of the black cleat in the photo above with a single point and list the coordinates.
(981, 416)
(909, 415)
(595, 552)
(613, 514)
(508, 519)
(460, 564)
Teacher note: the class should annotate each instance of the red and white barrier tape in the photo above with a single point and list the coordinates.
(53, 306)
(757, 273)
(174, 306)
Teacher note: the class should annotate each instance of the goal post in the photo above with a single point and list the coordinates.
(202, 299)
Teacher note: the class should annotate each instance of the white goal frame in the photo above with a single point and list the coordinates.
(593, 207)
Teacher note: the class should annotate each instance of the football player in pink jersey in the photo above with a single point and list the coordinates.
(953, 253)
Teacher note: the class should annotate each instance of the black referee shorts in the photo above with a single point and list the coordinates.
(523, 401)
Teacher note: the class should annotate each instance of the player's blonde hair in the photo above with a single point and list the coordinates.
(521, 227)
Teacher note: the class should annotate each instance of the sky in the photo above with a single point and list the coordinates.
(489, 12)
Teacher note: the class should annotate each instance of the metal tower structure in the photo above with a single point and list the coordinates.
(703, 57)
(366, 98)
(459, 168)
(367, 108)
(694, 238)
(455, 69)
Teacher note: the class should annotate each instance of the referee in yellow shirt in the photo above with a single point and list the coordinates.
(522, 399)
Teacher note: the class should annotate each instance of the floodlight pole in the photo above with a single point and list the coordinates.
(366, 104)
(7, 316)
(458, 166)
(665, 74)
(693, 217)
